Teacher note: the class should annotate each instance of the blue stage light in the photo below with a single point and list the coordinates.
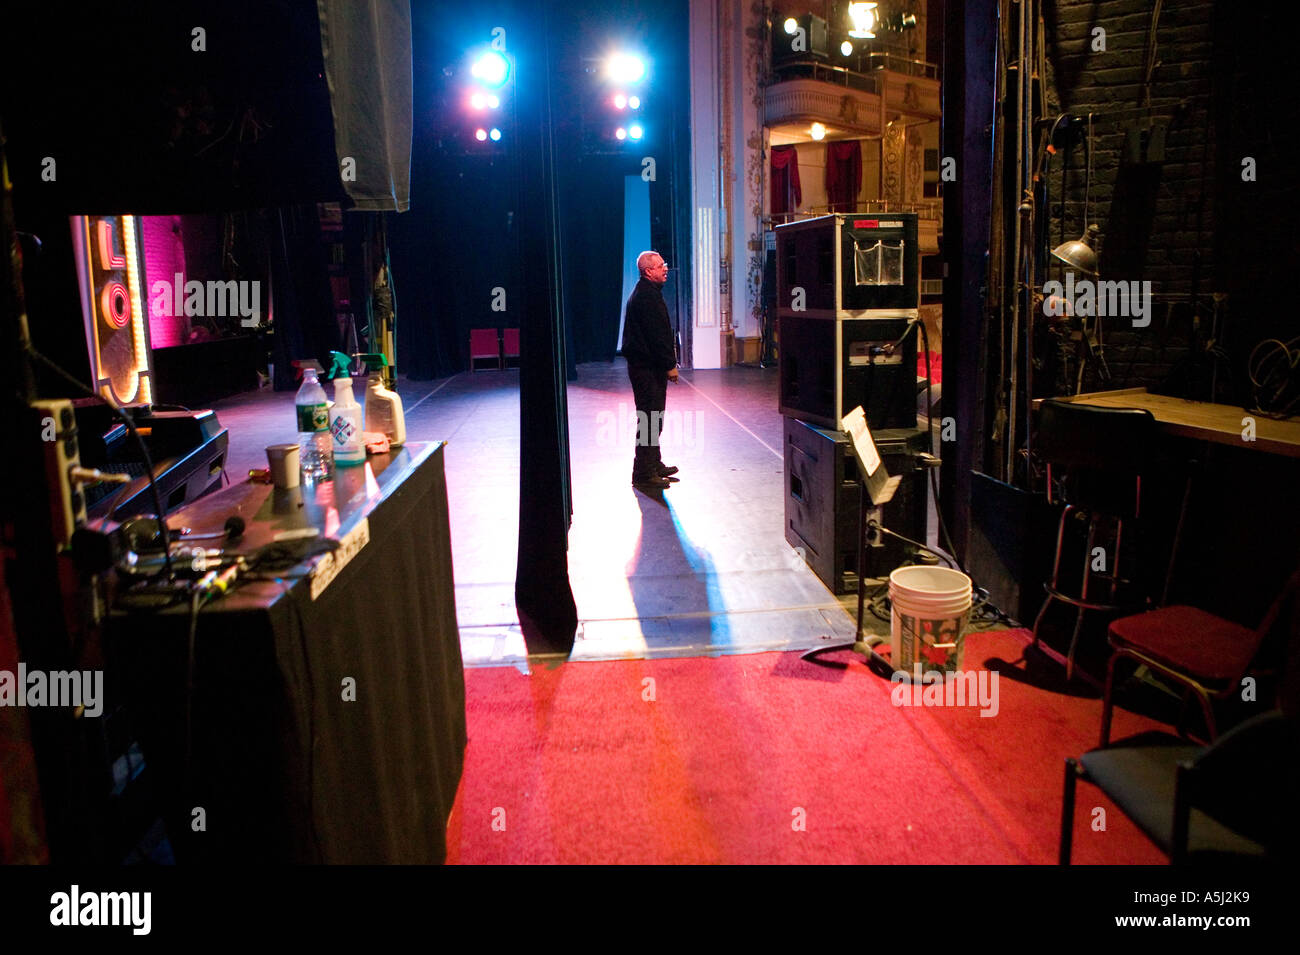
(626, 68)
(491, 68)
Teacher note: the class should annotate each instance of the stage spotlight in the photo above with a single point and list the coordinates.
(635, 131)
(492, 68)
(862, 16)
(620, 101)
(817, 132)
(634, 102)
(495, 135)
(480, 134)
(478, 101)
(620, 134)
(626, 68)
(493, 101)
(846, 48)
(791, 25)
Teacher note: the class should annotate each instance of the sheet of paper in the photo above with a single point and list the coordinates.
(328, 567)
(855, 423)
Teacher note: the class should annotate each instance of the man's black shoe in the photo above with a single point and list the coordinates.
(666, 471)
(653, 481)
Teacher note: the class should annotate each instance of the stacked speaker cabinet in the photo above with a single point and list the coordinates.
(848, 290)
(847, 298)
(822, 501)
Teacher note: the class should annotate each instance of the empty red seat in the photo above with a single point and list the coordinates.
(484, 344)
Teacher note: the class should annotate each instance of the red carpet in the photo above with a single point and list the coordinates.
(576, 765)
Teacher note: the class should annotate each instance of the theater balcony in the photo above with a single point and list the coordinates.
(857, 102)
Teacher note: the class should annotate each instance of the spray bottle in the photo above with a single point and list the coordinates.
(345, 426)
(383, 407)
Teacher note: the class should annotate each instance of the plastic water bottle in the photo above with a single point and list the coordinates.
(315, 445)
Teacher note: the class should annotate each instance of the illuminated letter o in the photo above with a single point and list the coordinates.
(115, 304)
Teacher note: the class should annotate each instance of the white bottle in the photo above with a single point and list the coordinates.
(345, 425)
(384, 411)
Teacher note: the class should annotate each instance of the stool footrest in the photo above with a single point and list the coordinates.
(1089, 605)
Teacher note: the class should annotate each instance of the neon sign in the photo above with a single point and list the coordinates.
(109, 270)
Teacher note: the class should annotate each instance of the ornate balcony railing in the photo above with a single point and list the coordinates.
(928, 210)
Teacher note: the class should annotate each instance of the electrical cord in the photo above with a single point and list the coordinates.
(929, 423)
(1272, 374)
(881, 528)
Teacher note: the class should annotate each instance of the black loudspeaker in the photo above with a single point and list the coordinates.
(848, 266)
(847, 296)
(1012, 537)
(822, 501)
(828, 368)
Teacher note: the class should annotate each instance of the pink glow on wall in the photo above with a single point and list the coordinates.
(164, 257)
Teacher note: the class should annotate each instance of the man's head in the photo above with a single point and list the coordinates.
(653, 268)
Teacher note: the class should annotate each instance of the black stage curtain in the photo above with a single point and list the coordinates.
(461, 237)
(366, 46)
(305, 322)
(139, 121)
(142, 115)
(591, 210)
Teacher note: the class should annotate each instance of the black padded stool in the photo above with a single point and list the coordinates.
(1097, 457)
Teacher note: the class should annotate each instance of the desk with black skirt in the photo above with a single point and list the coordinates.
(327, 711)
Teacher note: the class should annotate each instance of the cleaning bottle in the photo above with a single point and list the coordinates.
(383, 407)
(315, 446)
(345, 425)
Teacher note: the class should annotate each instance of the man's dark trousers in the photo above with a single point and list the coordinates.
(650, 389)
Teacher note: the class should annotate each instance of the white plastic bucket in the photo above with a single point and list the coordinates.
(931, 610)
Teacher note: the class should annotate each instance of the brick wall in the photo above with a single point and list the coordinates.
(1174, 222)
(164, 256)
(1156, 218)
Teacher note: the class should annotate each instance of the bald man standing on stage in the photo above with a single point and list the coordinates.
(650, 349)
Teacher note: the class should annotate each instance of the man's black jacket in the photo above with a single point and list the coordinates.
(647, 333)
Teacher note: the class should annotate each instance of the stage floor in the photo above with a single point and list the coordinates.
(704, 571)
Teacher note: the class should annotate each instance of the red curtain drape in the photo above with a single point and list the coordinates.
(785, 180)
(843, 175)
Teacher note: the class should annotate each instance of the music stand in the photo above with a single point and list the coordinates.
(876, 486)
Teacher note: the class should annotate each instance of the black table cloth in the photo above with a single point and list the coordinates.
(324, 730)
